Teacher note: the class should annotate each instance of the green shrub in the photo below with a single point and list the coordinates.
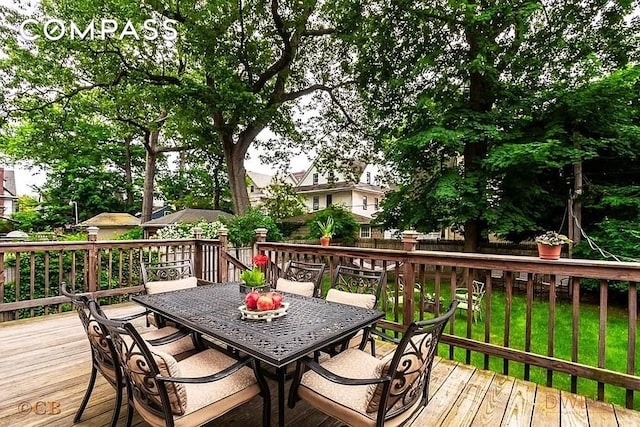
(345, 227)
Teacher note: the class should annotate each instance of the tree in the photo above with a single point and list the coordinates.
(242, 228)
(240, 65)
(450, 83)
(283, 201)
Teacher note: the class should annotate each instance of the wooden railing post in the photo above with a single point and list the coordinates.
(409, 242)
(261, 236)
(198, 253)
(223, 267)
(92, 273)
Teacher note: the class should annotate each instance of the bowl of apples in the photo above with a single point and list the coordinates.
(263, 306)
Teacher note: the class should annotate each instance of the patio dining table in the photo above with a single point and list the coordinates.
(309, 325)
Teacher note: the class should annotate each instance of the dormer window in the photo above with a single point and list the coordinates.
(364, 203)
(368, 177)
(315, 179)
(331, 176)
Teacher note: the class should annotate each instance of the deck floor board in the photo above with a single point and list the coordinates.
(46, 362)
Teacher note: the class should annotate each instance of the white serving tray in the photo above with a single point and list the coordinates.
(263, 315)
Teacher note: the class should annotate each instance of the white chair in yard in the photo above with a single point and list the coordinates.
(477, 295)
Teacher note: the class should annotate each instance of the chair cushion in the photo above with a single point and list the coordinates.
(206, 363)
(301, 288)
(176, 347)
(171, 285)
(360, 300)
(351, 363)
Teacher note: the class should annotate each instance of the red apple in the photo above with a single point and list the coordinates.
(277, 299)
(265, 303)
(251, 300)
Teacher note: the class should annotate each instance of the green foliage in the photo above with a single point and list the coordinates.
(283, 201)
(184, 230)
(253, 277)
(27, 217)
(326, 228)
(242, 227)
(133, 234)
(345, 227)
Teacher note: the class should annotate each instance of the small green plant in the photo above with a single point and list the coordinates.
(255, 276)
(326, 228)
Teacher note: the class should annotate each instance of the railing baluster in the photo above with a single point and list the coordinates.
(507, 318)
(602, 334)
(452, 285)
(575, 328)
(487, 314)
(551, 326)
(32, 279)
(631, 349)
(527, 333)
(470, 273)
(46, 280)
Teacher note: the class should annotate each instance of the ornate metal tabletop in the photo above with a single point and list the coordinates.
(310, 323)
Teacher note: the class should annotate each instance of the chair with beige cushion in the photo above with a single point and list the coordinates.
(359, 287)
(166, 276)
(302, 278)
(360, 390)
(168, 340)
(189, 392)
(477, 295)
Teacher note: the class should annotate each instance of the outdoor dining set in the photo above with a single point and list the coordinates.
(199, 357)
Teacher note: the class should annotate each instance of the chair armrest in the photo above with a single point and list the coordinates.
(209, 378)
(384, 336)
(202, 282)
(179, 334)
(129, 318)
(326, 374)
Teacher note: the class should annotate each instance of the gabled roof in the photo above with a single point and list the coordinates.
(10, 182)
(187, 215)
(339, 186)
(260, 180)
(111, 219)
(297, 176)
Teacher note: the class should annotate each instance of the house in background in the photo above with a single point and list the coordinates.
(9, 197)
(362, 197)
(258, 185)
(158, 212)
(186, 215)
(111, 224)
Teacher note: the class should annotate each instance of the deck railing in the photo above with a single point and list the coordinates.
(528, 289)
(526, 283)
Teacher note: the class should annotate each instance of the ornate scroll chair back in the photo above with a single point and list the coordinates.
(359, 281)
(359, 389)
(304, 273)
(166, 271)
(159, 386)
(409, 368)
(103, 356)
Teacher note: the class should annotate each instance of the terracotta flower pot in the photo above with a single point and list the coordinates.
(549, 251)
(324, 241)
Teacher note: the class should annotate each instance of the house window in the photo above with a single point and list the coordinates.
(316, 203)
(376, 203)
(368, 177)
(253, 189)
(364, 202)
(332, 176)
(315, 179)
(329, 200)
(365, 232)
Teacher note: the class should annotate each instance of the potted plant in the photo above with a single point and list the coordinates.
(550, 244)
(254, 279)
(326, 228)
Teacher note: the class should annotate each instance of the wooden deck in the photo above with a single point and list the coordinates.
(45, 366)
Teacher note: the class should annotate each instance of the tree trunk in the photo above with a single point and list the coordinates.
(149, 175)
(128, 175)
(234, 157)
(217, 190)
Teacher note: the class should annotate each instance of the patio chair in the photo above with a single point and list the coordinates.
(357, 287)
(360, 390)
(302, 278)
(166, 276)
(103, 359)
(477, 295)
(189, 392)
